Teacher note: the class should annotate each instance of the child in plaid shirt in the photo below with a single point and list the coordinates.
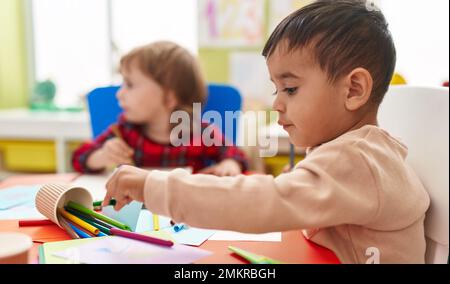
(159, 79)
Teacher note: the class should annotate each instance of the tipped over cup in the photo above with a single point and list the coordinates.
(53, 196)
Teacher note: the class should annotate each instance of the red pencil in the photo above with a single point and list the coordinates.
(35, 223)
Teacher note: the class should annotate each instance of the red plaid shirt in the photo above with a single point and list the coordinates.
(149, 154)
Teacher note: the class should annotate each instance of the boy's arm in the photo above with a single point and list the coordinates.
(329, 188)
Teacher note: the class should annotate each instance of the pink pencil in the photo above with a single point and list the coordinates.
(139, 237)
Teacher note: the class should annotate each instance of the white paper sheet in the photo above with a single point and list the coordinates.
(118, 250)
(235, 236)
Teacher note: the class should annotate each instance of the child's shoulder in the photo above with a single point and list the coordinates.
(368, 142)
(368, 134)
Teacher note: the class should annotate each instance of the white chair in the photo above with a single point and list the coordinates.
(419, 116)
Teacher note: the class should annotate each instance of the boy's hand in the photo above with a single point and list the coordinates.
(125, 185)
(114, 152)
(227, 167)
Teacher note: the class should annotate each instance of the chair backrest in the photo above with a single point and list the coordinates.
(419, 116)
(104, 109)
(222, 99)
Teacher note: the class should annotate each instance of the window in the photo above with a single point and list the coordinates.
(77, 44)
(420, 30)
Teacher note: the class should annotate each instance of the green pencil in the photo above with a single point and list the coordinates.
(102, 226)
(98, 226)
(253, 258)
(102, 217)
(112, 202)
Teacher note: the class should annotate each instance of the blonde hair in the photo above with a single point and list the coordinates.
(173, 68)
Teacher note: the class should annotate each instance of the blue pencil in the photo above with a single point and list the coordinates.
(79, 232)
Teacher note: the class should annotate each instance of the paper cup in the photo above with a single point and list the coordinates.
(14, 248)
(53, 196)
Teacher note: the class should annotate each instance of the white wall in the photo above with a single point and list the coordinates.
(138, 22)
(421, 33)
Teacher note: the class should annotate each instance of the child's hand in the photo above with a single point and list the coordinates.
(227, 167)
(117, 152)
(125, 185)
(114, 152)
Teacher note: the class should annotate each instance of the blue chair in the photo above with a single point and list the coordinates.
(223, 98)
(104, 109)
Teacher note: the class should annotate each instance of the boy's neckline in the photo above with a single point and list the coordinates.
(309, 150)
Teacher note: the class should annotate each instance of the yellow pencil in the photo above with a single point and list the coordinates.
(115, 130)
(79, 222)
(155, 222)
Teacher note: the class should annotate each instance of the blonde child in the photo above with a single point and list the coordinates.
(331, 63)
(159, 79)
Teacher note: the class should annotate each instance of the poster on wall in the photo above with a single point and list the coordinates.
(249, 73)
(280, 9)
(231, 23)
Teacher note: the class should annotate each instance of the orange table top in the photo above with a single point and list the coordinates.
(293, 248)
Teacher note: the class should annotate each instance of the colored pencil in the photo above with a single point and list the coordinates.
(88, 217)
(253, 258)
(112, 202)
(98, 226)
(155, 222)
(139, 237)
(82, 229)
(67, 227)
(79, 232)
(99, 216)
(35, 223)
(78, 221)
(115, 130)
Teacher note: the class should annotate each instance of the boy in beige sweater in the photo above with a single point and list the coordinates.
(331, 63)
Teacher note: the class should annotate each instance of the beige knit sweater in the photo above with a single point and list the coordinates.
(355, 195)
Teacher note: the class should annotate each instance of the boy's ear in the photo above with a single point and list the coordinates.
(360, 85)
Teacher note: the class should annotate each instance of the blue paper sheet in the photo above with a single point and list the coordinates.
(18, 195)
(129, 215)
(190, 236)
(19, 203)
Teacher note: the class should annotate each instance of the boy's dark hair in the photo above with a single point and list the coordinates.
(346, 35)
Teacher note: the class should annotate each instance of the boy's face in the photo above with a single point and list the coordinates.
(311, 110)
(141, 98)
